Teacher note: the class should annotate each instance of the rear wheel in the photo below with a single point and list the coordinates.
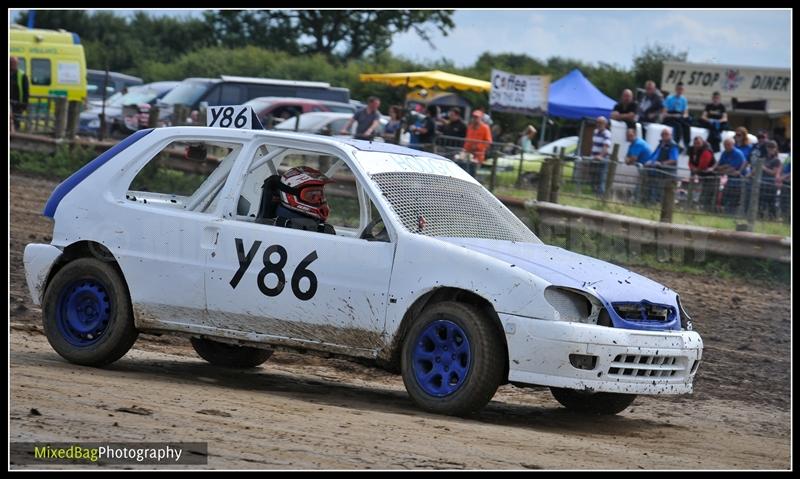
(452, 359)
(592, 402)
(230, 355)
(87, 313)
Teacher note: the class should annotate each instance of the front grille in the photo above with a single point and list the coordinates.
(645, 311)
(631, 365)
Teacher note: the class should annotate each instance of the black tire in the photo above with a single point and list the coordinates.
(486, 363)
(120, 332)
(599, 403)
(230, 355)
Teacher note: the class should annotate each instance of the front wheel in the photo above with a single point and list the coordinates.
(600, 403)
(230, 355)
(87, 313)
(453, 359)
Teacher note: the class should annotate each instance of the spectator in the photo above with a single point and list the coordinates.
(677, 115)
(768, 191)
(731, 164)
(393, 128)
(425, 130)
(784, 182)
(479, 138)
(367, 120)
(742, 142)
(701, 165)
(527, 140)
(18, 83)
(715, 119)
(661, 166)
(651, 108)
(601, 146)
(626, 109)
(455, 129)
(760, 148)
(639, 151)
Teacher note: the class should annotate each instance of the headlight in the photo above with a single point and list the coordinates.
(570, 305)
(686, 320)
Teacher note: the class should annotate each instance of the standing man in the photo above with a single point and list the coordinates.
(367, 119)
(652, 105)
(479, 138)
(601, 146)
(454, 128)
(661, 166)
(425, 131)
(731, 163)
(768, 192)
(18, 82)
(677, 116)
(626, 109)
(715, 119)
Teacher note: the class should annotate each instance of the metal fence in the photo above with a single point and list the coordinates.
(47, 115)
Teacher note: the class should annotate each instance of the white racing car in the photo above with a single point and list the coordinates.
(409, 262)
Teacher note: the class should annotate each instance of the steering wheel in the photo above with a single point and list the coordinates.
(382, 234)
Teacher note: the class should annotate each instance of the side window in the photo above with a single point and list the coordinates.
(21, 65)
(349, 210)
(40, 71)
(213, 96)
(186, 174)
(231, 95)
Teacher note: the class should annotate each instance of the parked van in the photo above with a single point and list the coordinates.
(235, 90)
(54, 61)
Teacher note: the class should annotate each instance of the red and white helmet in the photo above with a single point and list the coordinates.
(303, 190)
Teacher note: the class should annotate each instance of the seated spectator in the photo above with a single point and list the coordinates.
(527, 140)
(601, 149)
(651, 108)
(701, 165)
(454, 130)
(784, 182)
(478, 140)
(677, 116)
(626, 109)
(715, 119)
(768, 189)
(731, 164)
(661, 166)
(639, 151)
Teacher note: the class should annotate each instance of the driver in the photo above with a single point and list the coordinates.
(302, 200)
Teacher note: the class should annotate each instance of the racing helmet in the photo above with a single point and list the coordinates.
(303, 190)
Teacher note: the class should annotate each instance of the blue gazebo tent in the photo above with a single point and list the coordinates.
(574, 97)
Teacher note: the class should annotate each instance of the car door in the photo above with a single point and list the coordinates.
(302, 286)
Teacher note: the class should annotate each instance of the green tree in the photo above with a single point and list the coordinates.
(648, 64)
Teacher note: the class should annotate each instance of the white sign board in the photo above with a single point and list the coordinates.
(526, 94)
(241, 117)
(701, 80)
(68, 73)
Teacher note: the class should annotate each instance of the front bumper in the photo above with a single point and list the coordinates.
(626, 361)
(38, 260)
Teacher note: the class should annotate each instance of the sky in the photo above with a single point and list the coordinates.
(735, 37)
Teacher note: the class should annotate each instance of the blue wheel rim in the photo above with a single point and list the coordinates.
(441, 358)
(83, 312)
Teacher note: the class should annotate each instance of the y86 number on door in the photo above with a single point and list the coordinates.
(276, 269)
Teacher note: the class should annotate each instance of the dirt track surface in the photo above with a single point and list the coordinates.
(310, 412)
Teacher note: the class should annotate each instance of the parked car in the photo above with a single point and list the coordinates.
(274, 110)
(127, 112)
(417, 268)
(117, 83)
(532, 162)
(323, 123)
(234, 90)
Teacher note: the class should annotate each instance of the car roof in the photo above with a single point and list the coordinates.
(284, 99)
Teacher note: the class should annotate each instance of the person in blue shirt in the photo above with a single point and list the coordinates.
(731, 164)
(639, 151)
(661, 166)
(677, 116)
(784, 182)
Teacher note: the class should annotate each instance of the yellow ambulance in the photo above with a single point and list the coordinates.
(53, 60)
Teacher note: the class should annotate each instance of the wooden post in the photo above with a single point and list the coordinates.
(493, 177)
(73, 118)
(201, 118)
(61, 117)
(755, 189)
(152, 119)
(612, 171)
(521, 162)
(668, 199)
(545, 180)
(179, 115)
(556, 172)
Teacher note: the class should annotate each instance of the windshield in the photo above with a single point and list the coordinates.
(437, 205)
(136, 96)
(187, 93)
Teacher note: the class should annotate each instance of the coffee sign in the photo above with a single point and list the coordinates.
(526, 94)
